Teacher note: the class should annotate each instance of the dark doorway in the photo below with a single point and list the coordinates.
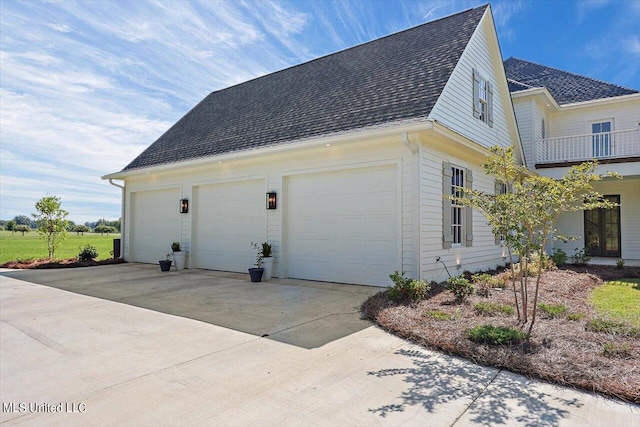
(602, 230)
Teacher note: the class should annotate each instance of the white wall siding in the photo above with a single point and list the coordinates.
(625, 115)
(454, 108)
(524, 116)
(484, 253)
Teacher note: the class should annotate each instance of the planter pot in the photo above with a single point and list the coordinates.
(256, 274)
(267, 264)
(178, 257)
(165, 265)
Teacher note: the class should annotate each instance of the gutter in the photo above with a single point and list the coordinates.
(121, 215)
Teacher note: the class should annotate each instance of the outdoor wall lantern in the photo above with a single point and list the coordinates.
(184, 205)
(271, 200)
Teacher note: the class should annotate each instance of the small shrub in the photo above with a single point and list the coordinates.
(438, 315)
(575, 316)
(620, 264)
(176, 247)
(407, 288)
(619, 350)
(611, 327)
(492, 308)
(460, 287)
(88, 253)
(581, 257)
(559, 257)
(267, 249)
(531, 270)
(552, 310)
(496, 335)
(541, 262)
(484, 282)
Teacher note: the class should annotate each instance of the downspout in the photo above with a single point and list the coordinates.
(416, 150)
(121, 216)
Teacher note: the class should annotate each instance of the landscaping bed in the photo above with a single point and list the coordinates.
(571, 343)
(57, 263)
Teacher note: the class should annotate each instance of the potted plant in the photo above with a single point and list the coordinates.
(165, 264)
(178, 255)
(267, 260)
(256, 272)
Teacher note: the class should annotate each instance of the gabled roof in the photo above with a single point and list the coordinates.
(395, 78)
(565, 87)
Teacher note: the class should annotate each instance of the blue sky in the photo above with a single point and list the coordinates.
(86, 86)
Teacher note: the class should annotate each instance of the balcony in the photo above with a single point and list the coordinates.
(607, 147)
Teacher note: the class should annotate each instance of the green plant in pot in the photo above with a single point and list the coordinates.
(267, 260)
(255, 273)
(178, 255)
(165, 264)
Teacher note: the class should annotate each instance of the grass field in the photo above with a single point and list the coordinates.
(619, 299)
(15, 246)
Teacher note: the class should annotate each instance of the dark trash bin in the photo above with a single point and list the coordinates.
(116, 248)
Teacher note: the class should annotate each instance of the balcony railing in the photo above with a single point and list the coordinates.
(576, 148)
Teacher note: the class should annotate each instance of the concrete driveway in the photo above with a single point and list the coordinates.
(73, 359)
(299, 312)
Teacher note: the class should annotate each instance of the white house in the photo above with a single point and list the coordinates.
(355, 148)
(565, 119)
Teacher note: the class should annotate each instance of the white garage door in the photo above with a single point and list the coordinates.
(155, 224)
(228, 217)
(343, 226)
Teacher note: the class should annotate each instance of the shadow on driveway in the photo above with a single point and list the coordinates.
(298, 312)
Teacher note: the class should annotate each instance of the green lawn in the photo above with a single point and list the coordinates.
(15, 246)
(619, 299)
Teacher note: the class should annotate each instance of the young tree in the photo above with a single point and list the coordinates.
(23, 229)
(10, 226)
(526, 214)
(51, 221)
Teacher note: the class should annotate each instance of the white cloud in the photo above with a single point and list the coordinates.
(631, 45)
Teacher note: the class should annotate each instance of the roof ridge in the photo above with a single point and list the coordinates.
(484, 6)
(572, 73)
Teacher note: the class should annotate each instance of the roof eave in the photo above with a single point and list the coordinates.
(537, 91)
(342, 137)
(601, 101)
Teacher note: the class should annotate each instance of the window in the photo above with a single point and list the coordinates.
(457, 219)
(601, 139)
(482, 98)
(457, 188)
(500, 188)
(543, 129)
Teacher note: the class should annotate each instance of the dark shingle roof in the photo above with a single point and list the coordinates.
(565, 87)
(397, 77)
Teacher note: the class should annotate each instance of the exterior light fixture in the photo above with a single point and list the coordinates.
(271, 200)
(184, 206)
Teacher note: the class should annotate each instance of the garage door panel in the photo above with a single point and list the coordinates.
(229, 217)
(155, 224)
(343, 226)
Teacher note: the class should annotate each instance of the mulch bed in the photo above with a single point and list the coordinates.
(561, 351)
(57, 263)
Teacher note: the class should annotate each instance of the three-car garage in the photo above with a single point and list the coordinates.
(336, 225)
